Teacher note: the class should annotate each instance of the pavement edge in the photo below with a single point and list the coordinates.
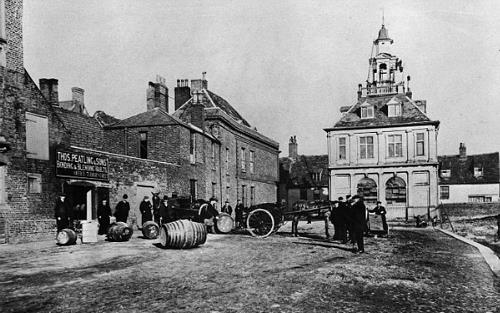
(489, 256)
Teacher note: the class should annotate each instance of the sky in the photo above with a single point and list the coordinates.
(286, 66)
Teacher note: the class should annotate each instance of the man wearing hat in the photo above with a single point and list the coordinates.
(156, 206)
(208, 212)
(63, 212)
(103, 215)
(145, 208)
(122, 209)
(227, 208)
(358, 222)
(166, 211)
(380, 210)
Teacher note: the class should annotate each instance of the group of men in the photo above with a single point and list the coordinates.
(350, 217)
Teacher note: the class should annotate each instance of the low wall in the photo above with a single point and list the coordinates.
(29, 228)
(469, 210)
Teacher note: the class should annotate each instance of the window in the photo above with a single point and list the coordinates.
(213, 155)
(192, 148)
(303, 194)
(227, 161)
(3, 175)
(395, 145)
(228, 192)
(444, 192)
(252, 160)
(367, 112)
(478, 172)
(394, 110)
(37, 136)
(342, 148)
(479, 198)
(243, 160)
(252, 195)
(366, 147)
(244, 195)
(214, 190)
(316, 176)
(34, 183)
(192, 189)
(143, 145)
(445, 173)
(395, 190)
(420, 144)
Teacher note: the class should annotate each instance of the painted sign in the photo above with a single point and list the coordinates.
(81, 165)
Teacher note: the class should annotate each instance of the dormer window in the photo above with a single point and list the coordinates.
(445, 173)
(393, 108)
(367, 110)
(478, 172)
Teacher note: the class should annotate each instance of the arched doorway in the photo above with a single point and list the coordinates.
(367, 188)
(395, 191)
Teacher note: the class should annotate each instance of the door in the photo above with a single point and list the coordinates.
(135, 213)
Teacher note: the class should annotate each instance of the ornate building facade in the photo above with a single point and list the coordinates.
(384, 147)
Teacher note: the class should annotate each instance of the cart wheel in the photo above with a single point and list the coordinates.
(260, 223)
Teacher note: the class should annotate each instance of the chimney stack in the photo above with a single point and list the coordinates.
(197, 110)
(199, 84)
(157, 95)
(462, 150)
(48, 87)
(292, 148)
(78, 99)
(182, 93)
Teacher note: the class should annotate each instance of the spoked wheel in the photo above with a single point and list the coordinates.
(260, 223)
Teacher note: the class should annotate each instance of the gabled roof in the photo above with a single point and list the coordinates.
(105, 119)
(462, 169)
(154, 117)
(410, 114)
(299, 173)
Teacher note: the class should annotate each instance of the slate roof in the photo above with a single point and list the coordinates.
(410, 114)
(462, 169)
(105, 119)
(84, 130)
(299, 173)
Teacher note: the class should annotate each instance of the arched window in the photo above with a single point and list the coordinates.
(395, 190)
(367, 188)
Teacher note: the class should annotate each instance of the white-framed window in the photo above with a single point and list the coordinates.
(444, 192)
(252, 195)
(37, 136)
(192, 148)
(367, 111)
(34, 183)
(480, 198)
(420, 144)
(251, 161)
(445, 173)
(316, 176)
(478, 172)
(366, 147)
(394, 110)
(395, 146)
(342, 148)
(243, 160)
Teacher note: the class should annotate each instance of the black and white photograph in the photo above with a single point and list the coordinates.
(232, 156)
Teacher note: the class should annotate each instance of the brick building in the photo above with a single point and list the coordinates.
(469, 178)
(49, 146)
(384, 147)
(303, 177)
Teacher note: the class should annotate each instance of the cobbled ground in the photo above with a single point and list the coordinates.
(411, 271)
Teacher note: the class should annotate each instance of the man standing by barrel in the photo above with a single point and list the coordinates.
(166, 210)
(358, 223)
(227, 208)
(208, 212)
(238, 210)
(156, 206)
(145, 208)
(122, 209)
(103, 215)
(63, 212)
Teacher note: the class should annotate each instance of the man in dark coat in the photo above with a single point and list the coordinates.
(156, 206)
(63, 213)
(103, 215)
(227, 208)
(145, 208)
(334, 218)
(208, 213)
(380, 210)
(238, 210)
(122, 209)
(357, 220)
(342, 216)
(166, 211)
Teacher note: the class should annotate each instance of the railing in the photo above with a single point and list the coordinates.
(381, 90)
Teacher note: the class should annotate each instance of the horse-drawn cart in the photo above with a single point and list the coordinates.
(264, 219)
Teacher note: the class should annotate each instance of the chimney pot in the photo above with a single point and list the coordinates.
(292, 148)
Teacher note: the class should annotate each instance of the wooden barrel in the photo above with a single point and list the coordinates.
(66, 237)
(224, 223)
(182, 234)
(119, 231)
(150, 230)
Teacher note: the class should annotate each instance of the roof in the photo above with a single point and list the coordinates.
(383, 33)
(410, 114)
(105, 119)
(155, 117)
(84, 130)
(218, 107)
(300, 173)
(462, 169)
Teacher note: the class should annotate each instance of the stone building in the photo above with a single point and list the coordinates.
(384, 147)
(302, 177)
(469, 178)
(49, 146)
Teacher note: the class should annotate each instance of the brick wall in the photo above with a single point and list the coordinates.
(83, 129)
(14, 33)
